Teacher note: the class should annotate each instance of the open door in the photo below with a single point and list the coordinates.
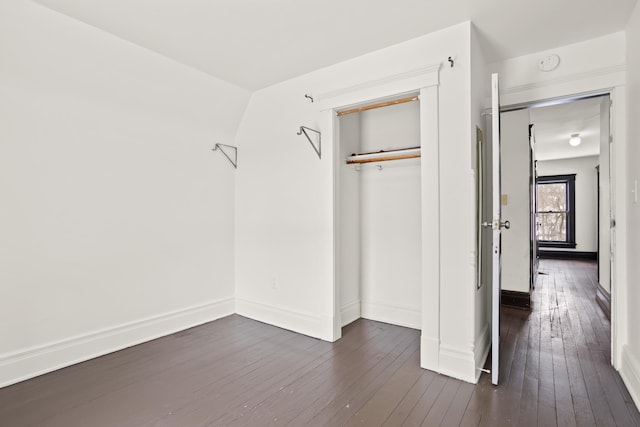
(606, 230)
(533, 210)
(496, 224)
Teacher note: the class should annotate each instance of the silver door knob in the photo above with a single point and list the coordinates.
(497, 224)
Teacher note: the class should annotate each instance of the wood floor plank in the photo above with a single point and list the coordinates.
(162, 392)
(334, 377)
(409, 401)
(565, 415)
(378, 408)
(530, 385)
(289, 399)
(474, 411)
(458, 406)
(546, 389)
(439, 409)
(612, 393)
(335, 401)
(358, 398)
(426, 401)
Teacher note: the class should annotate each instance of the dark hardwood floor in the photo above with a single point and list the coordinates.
(234, 371)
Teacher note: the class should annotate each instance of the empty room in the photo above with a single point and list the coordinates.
(275, 213)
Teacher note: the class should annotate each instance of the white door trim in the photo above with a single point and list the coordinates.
(611, 81)
(423, 81)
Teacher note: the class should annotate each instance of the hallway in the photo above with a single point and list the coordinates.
(555, 361)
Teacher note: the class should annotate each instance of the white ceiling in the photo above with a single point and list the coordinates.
(256, 43)
(553, 125)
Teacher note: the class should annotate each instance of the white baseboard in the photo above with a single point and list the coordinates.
(350, 312)
(303, 323)
(630, 373)
(481, 349)
(429, 352)
(457, 363)
(29, 363)
(396, 315)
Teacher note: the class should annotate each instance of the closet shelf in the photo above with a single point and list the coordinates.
(383, 156)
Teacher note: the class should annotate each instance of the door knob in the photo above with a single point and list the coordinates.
(496, 225)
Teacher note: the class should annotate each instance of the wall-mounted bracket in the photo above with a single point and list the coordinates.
(316, 148)
(233, 161)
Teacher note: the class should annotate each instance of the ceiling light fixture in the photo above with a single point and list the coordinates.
(575, 140)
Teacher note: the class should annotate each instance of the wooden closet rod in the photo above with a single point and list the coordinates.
(383, 156)
(378, 105)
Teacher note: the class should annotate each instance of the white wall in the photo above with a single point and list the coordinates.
(391, 218)
(630, 369)
(522, 81)
(285, 198)
(586, 197)
(116, 219)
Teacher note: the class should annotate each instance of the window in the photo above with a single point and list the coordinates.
(556, 215)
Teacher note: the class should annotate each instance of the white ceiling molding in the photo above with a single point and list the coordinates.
(615, 74)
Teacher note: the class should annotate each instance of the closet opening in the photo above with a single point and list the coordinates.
(380, 215)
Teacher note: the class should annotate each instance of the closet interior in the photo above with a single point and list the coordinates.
(380, 242)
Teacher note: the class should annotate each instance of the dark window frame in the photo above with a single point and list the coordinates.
(570, 181)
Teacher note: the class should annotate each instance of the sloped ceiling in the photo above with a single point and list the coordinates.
(256, 43)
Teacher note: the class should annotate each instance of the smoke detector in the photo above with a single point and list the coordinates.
(549, 63)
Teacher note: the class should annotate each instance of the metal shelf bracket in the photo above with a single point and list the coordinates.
(318, 148)
(233, 161)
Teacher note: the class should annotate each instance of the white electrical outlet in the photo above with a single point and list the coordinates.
(274, 283)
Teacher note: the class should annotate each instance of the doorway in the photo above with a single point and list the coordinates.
(380, 242)
(588, 235)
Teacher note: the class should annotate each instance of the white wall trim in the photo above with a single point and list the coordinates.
(296, 321)
(600, 72)
(428, 75)
(425, 81)
(409, 317)
(430, 194)
(429, 349)
(630, 373)
(28, 363)
(457, 363)
(350, 312)
(393, 85)
(481, 349)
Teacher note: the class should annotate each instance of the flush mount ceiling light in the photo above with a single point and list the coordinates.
(575, 140)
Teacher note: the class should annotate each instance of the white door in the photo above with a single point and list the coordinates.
(496, 224)
(607, 222)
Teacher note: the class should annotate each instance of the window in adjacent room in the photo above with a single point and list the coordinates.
(556, 213)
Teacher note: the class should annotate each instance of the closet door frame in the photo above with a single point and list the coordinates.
(423, 81)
